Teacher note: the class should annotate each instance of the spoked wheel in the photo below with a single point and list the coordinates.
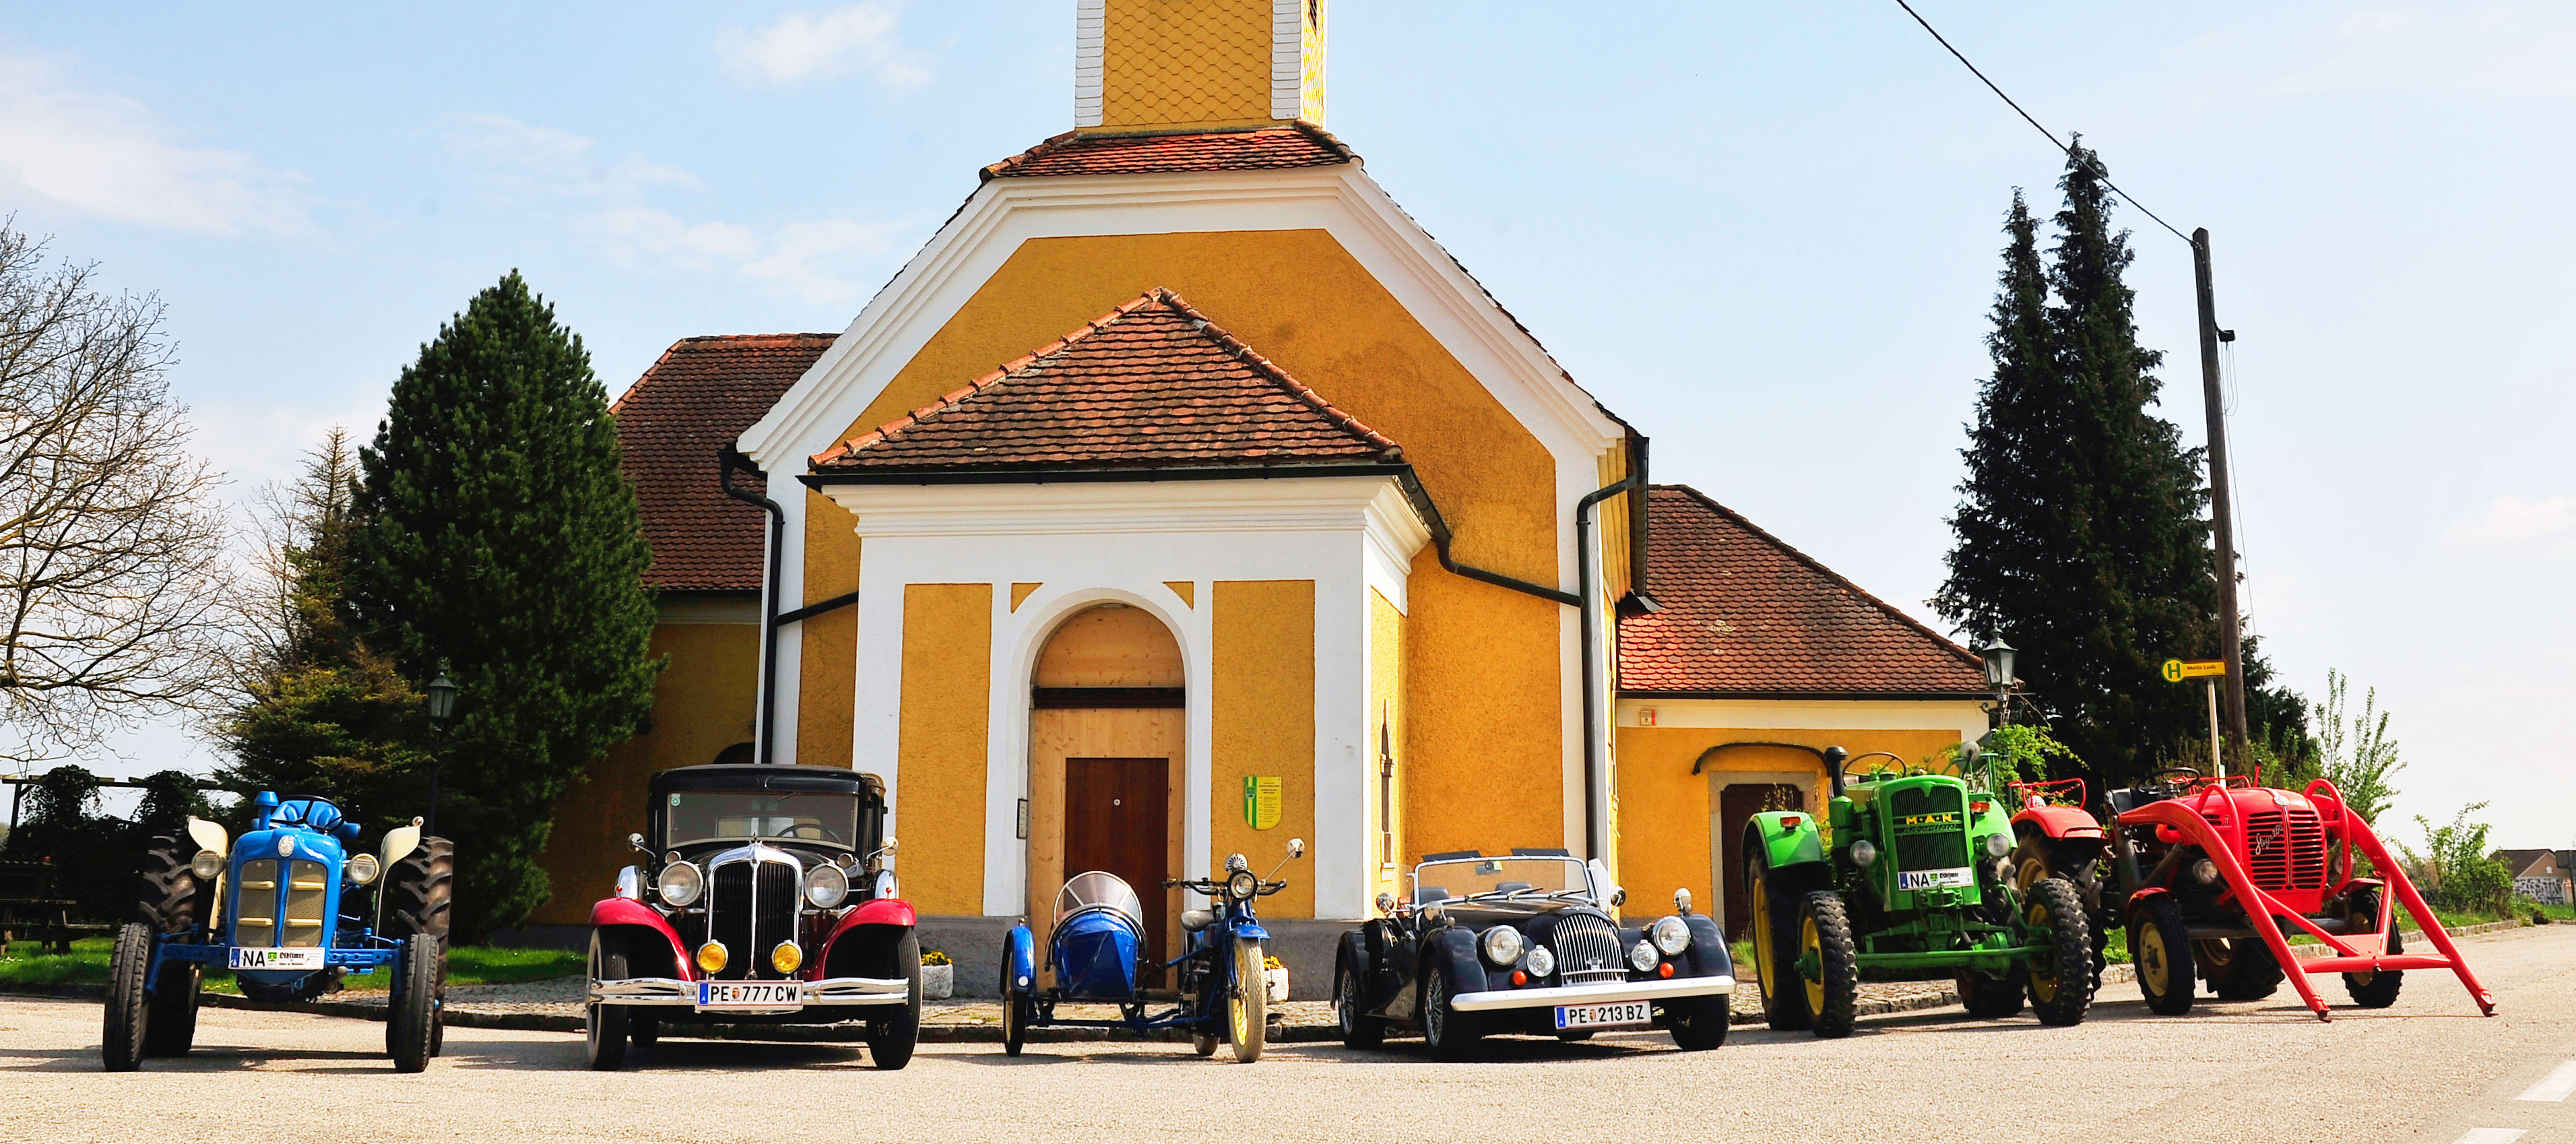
(2161, 949)
(1247, 1005)
(1452, 1034)
(2376, 989)
(891, 1039)
(413, 1023)
(128, 1001)
(1350, 1007)
(1775, 944)
(1698, 1023)
(606, 1026)
(2238, 968)
(1826, 950)
(2061, 982)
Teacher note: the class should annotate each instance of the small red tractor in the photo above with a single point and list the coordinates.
(2209, 868)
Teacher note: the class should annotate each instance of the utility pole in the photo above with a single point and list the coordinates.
(2231, 631)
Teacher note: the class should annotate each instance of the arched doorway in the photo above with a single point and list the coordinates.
(1106, 745)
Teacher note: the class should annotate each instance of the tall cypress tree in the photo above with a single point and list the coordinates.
(497, 536)
(2080, 538)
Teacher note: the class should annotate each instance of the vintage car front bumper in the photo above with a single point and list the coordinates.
(1608, 991)
(684, 994)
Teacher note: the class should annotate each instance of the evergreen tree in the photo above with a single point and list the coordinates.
(496, 535)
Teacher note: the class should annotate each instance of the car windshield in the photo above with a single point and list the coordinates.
(1458, 878)
(1098, 889)
(797, 816)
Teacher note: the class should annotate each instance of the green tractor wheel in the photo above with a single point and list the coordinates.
(2161, 948)
(1826, 949)
(1775, 896)
(2061, 982)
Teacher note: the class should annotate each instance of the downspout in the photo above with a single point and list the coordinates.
(730, 460)
(1591, 612)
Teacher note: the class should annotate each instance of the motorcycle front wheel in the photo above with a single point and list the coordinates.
(1247, 1004)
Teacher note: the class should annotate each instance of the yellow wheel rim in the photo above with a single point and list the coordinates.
(1812, 945)
(1762, 956)
(2153, 969)
(2033, 870)
(2043, 987)
(1247, 977)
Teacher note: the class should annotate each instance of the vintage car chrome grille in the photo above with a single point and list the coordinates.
(1588, 949)
(307, 889)
(255, 919)
(2286, 854)
(751, 906)
(1930, 846)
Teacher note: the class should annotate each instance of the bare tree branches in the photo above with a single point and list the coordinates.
(113, 578)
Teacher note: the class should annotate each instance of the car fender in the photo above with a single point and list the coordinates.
(608, 912)
(1020, 959)
(1453, 950)
(2066, 822)
(1784, 838)
(2140, 898)
(1709, 956)
(861, 926)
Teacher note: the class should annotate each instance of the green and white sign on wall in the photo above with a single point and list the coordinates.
(1261, 801)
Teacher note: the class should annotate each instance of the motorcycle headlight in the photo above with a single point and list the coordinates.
(1998, 845)
(1540, 963)
(1863, 853)
(1671, 935)
(825, 887)
(1504, 945)
(1641, 957)
(207, 865)
(1242, 884)
(679, 884)
(363, 869)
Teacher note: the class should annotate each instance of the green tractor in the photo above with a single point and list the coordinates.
(1916, 884)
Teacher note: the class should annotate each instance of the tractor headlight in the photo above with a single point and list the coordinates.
(363, 869)
(1540, 963)
(1998, 845)
(680, 884)
(2205, 872)
(207, 865)
(1671, 935)
(1504, 945)
(1641, 957)
(1242, 884)
(825, 887)
(1864, 852)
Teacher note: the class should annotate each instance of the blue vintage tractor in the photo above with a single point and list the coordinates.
(286, 908)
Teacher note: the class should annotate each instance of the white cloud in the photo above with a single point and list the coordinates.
(108, 156)
(805, 257)
(520, 160)
(2512, 521)
(804, 45)
(634, 235)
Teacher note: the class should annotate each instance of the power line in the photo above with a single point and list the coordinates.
(2027, 118)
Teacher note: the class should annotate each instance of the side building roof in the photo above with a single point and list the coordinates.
(1745, 616)
(672, 423)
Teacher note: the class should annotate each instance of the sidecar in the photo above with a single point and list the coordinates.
(1097, 939)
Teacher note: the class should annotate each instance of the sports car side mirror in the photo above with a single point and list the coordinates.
(1618, 895)
(637, 841)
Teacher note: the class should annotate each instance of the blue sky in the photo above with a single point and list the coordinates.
(1766, 234)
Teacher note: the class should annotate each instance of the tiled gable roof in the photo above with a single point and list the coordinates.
(1745, 615)
(1151, 384)
(1074, 153)
(694, 402)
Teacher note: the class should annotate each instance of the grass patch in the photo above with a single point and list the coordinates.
(27, 963)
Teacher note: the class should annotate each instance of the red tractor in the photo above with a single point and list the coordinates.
(2209, 868)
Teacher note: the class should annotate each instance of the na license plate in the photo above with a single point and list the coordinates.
(287, 958)
(1935, 879)
(749, 995)
(1604, 1016)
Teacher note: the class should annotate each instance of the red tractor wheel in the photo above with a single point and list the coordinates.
(2376, 990)
(2238, 968)
(2160, 946)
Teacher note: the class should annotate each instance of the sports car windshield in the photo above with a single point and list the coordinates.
(1459, 878)
(796, 816)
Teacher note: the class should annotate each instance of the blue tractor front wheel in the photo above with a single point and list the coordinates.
(129, 1002)
(413, 1024)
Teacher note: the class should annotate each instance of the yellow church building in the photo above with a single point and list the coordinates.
(1182, 496)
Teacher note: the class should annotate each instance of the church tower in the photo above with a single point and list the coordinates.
(1152, 66)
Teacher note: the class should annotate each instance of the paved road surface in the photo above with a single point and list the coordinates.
(2427, 1070)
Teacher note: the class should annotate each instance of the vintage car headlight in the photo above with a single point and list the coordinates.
(1242, 884)
(786, 957)
(1504, 945)
(1863, 853)
(207, 865)
(1641, 957)
(363, 869)
(712, 957)
(1540, 963)
(680, 884)
(1998, 845)
(886, 886)
(1671, 935)
(825, 887)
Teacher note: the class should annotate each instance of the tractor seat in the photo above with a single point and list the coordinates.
(1192, 921)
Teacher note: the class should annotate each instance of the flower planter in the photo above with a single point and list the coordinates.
(1278, 981)
(938, 982)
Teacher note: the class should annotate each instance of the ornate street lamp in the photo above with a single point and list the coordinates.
(1999, 675)
(439, 701)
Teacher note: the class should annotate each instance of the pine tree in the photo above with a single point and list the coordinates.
(496, 535)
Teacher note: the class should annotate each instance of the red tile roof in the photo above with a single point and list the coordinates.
(1074, 153)
(1745, 615)
(1151, 384)
(697, 400)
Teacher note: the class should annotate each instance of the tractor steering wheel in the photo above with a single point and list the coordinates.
(2187, 773)
(1847, 763)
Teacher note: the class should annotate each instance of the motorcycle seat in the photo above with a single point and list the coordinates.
(1192, 921)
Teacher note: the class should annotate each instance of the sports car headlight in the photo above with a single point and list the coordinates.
(826, 887)
(1504, 945)
(1242, 884)
(1641, 957)
(1540, 963)
(363, 869)
(207, 865)
(679, 884)
(1671, 935)
(1998, 845)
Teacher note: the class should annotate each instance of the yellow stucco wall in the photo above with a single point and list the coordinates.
(703, 702)
(1386, 730)
(1262, 722)
(940, 744)
(1664, 822)
(827, 675)
(1484, 769)
(1184, 64)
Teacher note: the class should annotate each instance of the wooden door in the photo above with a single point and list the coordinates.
(1737, 803)
(1114, 820)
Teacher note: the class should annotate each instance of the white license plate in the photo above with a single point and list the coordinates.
(749, 995)
(293, 958)
(1935, 879)
(1602, 1016)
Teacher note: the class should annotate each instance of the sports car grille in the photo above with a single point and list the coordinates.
(1939, 845)
(1588, 949)
(751, 906)
(307, 888)
(2286, 854)
(255, 917)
